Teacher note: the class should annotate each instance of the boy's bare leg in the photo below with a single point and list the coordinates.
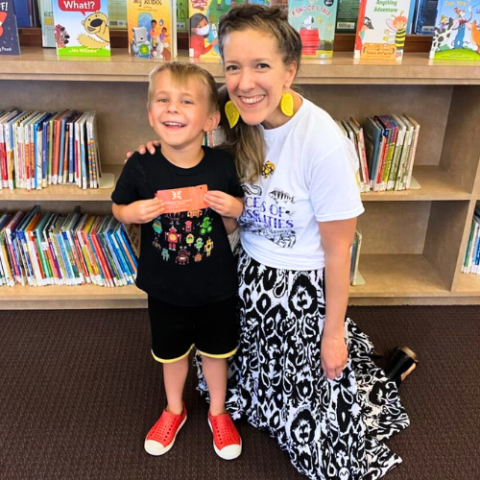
(215, 373)
(174, 377)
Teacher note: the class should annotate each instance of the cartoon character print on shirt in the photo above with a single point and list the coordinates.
(183, 237)
(271, 218)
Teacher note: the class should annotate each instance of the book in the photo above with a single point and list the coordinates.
(23, 14)
(81, 28)
(117, 14)
(47, 23)
(182, 15)
(347, 16)
(9, 44)
(373, 138)
(152, 29)
(426, 12)
(204, 16)
(355, 256)
(457, 31)
(314, 20)
(381, 29)
(411, 16)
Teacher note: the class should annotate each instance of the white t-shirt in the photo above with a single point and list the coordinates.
(309, 177)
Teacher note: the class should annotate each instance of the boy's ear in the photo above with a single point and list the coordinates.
(213, 121)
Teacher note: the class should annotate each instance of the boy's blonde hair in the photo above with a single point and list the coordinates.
(182, 73)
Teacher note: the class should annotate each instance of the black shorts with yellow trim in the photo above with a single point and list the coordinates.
(212, 329)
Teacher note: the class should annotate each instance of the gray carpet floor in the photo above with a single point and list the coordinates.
(79, 390)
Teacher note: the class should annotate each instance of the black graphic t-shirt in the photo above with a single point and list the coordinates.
(185, 258)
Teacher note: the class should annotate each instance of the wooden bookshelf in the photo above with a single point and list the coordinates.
(413, 241)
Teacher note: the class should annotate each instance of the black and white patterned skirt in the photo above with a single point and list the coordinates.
(332, 429)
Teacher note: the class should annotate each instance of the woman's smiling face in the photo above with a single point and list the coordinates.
(256, 76)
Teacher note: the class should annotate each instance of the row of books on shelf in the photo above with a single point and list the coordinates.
(471, 261)
(82, 28)
(386, 146)
(38, 149)
(44, 248)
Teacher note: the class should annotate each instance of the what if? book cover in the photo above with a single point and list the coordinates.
(8, 29)
(81, 28)
(382, 29)
(457, 31)
(314, 20)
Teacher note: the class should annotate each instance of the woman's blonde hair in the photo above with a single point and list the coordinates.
(182, 73)
(246, 142)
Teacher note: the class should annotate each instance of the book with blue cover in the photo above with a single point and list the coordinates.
(9, 44)
(426, 11)
(457, 31)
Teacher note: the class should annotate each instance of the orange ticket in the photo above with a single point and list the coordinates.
(183, 199)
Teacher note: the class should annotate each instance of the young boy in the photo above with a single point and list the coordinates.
(186, 265)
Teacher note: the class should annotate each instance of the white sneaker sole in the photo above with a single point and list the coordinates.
(227, 453)
(156, 448)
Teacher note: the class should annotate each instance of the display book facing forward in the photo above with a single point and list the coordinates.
(81, 28)
(204, 16)
(457, 31)
(44, 248)
(152, 29)
(381, 29)
(9, 44)
(38, 149)
(314, 20)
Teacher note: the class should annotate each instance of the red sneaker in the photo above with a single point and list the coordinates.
(161, 437)
(226, 439)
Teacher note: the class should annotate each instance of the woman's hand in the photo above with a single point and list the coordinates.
(334, 356)
(224, 204)
(142, 211)
(143, 149)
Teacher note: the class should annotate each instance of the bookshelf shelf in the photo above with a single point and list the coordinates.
(468, 284)
(64, 193)
(37, 63)
(398, 276)
(435, 185)
(413, 241)
(63, 297)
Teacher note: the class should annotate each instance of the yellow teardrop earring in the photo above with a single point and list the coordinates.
(232, 113)
(286, 104)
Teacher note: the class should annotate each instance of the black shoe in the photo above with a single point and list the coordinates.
(402, 362)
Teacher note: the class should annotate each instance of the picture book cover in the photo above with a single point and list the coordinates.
(81, 28)
(204, 16)
(314, 20)
(381, 29)
(152, 29)
(457, 31)
(8, 29)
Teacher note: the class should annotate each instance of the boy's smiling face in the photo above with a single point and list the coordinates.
(179, 112)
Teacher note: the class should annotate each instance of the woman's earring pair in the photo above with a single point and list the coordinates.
(232, 113)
